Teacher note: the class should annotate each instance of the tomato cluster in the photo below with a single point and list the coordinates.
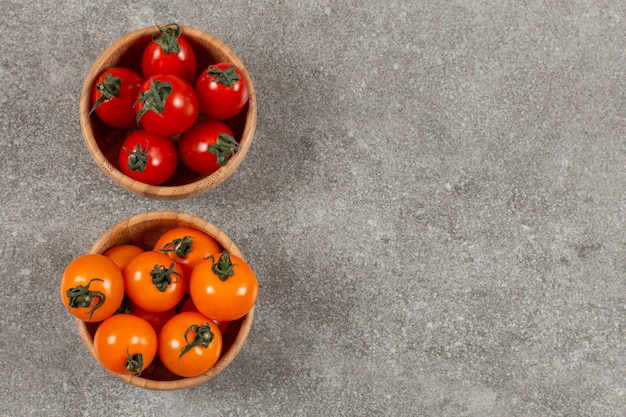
(172, 111)
(173, 301)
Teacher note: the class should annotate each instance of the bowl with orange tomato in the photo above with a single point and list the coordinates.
(163, 300)
(168, 111)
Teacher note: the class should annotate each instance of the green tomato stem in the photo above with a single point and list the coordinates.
(223, 268)
(153, 99)
(134, 363)
(109, 88)
(80, 296)
(224, 147)
(162, 276)
(167, 38)
(203, 337)
(180, 247)
(228, 76)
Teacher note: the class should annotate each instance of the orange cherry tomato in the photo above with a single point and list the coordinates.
(154, 282)
(122, 254)
(223, 287)
(189, 344)
(188, 305)
(125, 344)
(92, 287)
(187, 246)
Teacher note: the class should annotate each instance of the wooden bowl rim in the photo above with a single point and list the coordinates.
(182, 219)
(173, 192)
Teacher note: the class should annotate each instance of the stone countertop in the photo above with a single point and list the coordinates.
(433, 202)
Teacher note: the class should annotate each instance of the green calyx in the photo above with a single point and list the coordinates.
(203, 337)
(109, 88)
(81, 296)
(223, 268)
(224, 147)
(180, 247)
(134, 363)
(138, 159)
(167, 38)
(153, 99)
(228, 77)
(162, 276)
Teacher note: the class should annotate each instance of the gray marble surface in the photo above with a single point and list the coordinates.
(433, 203)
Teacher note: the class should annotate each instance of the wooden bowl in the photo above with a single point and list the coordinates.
(143, 230)
(104, 142)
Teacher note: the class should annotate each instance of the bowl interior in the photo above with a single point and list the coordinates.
(104, 142)
(143, 230)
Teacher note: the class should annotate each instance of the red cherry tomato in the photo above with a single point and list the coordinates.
(207, 146)
(113, 97)
(148, 157)
(222, 91)
(167, 105)
(169, 52)
(125, 344)
(154, 282)
(189, 344)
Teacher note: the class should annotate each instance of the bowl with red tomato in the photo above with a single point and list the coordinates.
(168, 111)
(163, 300)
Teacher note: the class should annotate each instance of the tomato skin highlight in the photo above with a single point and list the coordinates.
(121, 335)
(173, 113)
(223, 300)
(194, 144)
(141, 288)
(117, 112)
(197, 359)
(221, 100)
(101, 281)
(147, 157)
(156, 60)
